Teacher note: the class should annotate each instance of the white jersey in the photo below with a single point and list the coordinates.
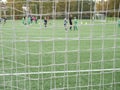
(65, 21)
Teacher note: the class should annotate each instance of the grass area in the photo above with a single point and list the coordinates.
(47, 55)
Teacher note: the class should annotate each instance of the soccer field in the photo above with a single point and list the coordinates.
(37, 58)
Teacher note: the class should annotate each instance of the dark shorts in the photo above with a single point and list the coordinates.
(70, 23)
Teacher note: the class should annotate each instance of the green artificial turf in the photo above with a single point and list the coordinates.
(37, 58)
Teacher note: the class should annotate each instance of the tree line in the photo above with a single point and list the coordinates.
(110, 7)
(80, 8)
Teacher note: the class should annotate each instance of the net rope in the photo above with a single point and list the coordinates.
(34, 58)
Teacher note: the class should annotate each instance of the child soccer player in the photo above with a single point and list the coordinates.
(65, 24)
(26, 20)
(29, 20)
(4, 20)
(23, 20)
(34, 19)
(45, 21)
(75, 24)
(119, 23)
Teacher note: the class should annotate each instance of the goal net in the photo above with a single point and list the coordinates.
(41, 49)
(99, 17)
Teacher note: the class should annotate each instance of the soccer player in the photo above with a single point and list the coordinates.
(45, 21)
(70, 22)
(29, 20)
(75, 24)
(3, 20)
(23, 20)
(0, 20)
(65, 24)
(119, 23)
(34, 19)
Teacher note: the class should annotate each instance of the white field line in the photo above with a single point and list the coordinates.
(59, 72)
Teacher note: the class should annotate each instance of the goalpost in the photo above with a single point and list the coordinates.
(35, 57)
(99, 17)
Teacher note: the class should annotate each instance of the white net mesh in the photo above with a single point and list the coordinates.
(40, 49)
(99, 17)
